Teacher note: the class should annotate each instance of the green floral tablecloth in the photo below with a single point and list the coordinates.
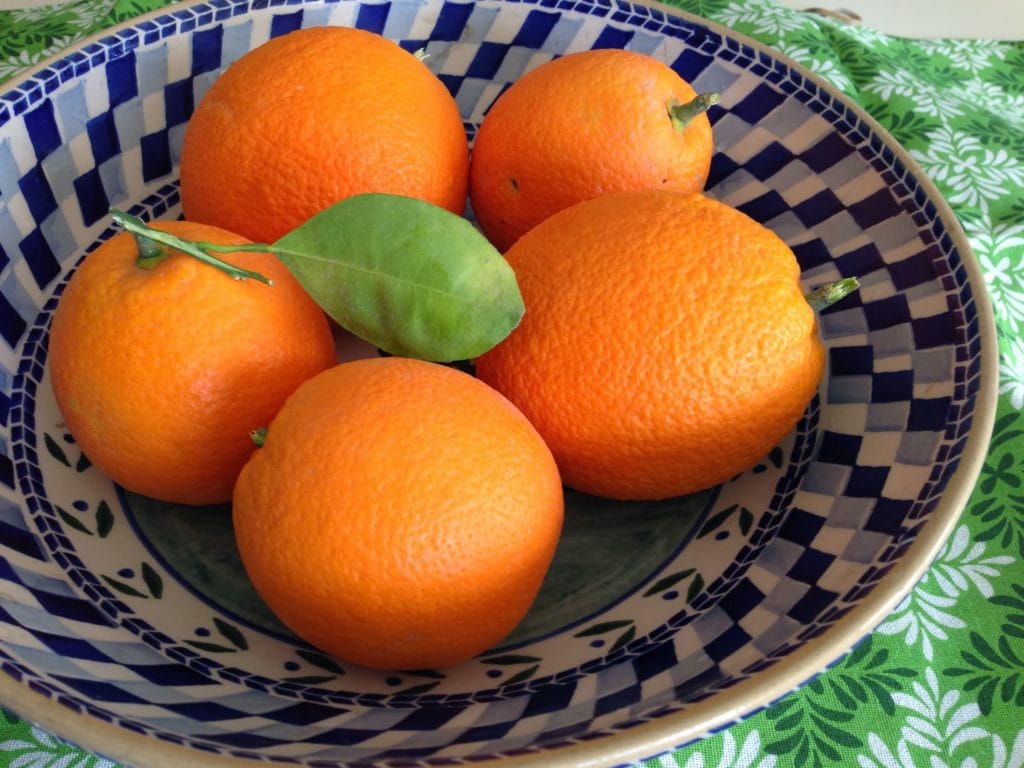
(940, 684)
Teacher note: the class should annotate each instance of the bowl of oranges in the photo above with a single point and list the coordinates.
(433, 383)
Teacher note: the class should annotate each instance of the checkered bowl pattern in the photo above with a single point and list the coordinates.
(798, 558)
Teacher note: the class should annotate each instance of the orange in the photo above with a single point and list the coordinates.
(580, 126)
(400, 515)
(666, 344)
(160, 374)
(315, 116)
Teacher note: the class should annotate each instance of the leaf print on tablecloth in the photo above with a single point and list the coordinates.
(814, 726)
(993, 672)
(968, 172)
(1007, 74)
(764, 17)
(1000, 250)
(1011, 371)
(923, 97)
(926, 615)
(936, 729)
(46, 751)
(971, 55)
(749, 755)
(822, 64)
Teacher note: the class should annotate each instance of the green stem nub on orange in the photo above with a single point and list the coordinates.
(682, 114)
(258, 436)
(153, 245)
(830, 293)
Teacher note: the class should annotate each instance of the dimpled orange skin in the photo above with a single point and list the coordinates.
(401, 514)
(666, 344)
(160, 374)
(583, 125)
(315, 116)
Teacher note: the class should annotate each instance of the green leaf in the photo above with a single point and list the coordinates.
(1009, 687)
(83, 463)
(882, 695)
(1008, 601)
(782, 707)
(320, 660)
(231, 633)
(785, 745)
(54, 449)
(407, 276)
(668, 581)
(789, 722)
(104, 519)
(834, 733)
(985, 695)
(982, 646)
(154, 583)
(72, 521)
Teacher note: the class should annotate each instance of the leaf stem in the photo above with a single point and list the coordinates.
(682, 114)
(830, 293)
(150, 254)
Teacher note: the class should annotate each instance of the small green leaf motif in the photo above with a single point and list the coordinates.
(531, 664)
(309, 679)
(320, 660)
(603, 627)
(718, 520)
(152, 580)
(407, 276)
(416, 690)
(510, 659)
(104, 519)
(231, 634)
(124, 588)
(54, 449)
(695, 588)
(71, 520)
(154, 583)
(666, 582)
(211, 647)
(522, 675)
(432, 674)
(83, 463)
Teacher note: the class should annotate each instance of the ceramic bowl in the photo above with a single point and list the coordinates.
(129, 627)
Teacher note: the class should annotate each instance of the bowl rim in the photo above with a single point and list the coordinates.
(697, 720)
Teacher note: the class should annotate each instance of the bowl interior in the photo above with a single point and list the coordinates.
(138, 614)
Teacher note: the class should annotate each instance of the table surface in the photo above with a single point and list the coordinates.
(940, 683)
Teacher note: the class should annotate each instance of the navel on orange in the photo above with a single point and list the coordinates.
(666, 345)
(161, 373)
(400, 514)
(315, 116)
(583, 125)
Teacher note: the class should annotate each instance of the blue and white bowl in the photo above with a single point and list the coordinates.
(129, 626)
